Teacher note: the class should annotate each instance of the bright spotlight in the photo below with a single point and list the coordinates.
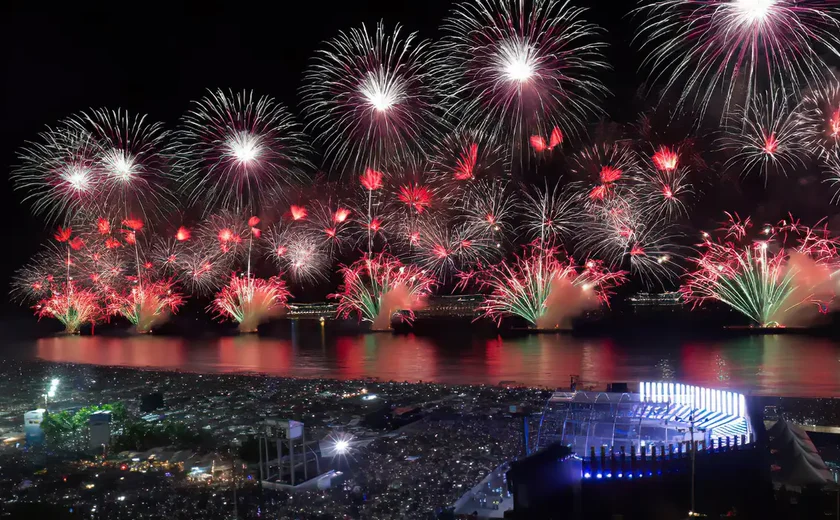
(341, 446)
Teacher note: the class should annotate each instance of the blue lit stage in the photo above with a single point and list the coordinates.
(660, 416)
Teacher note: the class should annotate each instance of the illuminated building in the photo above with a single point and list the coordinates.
(100, 429)
(32, 427)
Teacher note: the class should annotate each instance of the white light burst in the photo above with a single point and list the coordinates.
(244, 147)
(754, 11)
(382, 91)
(516, 61)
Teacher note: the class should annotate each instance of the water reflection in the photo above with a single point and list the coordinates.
(771, 365)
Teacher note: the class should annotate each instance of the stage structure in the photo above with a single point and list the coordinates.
(291, 459)
(660, 415)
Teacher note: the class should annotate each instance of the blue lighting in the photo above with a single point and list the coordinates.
(629, 475)
(640, 475)
(609, 475)
(650, 473)
(587, 475)
(599, 475)
(621, 475)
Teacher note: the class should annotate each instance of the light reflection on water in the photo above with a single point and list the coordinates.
(767, 365)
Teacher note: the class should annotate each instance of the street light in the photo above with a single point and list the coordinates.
(51, 392)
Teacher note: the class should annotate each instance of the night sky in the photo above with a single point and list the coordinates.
(156, 58)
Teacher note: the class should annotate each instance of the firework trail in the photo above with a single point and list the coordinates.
(602, 168)
(766, 280)
(238, 152)
(551, 214)
(300, 252)
(131, 167)
(622, 232)
(466, 155)
(379, 286)
(663, 186)
(820, 114)
(488, 211)
(767, 135)
(146, 305)
(72, 306)
(443, 248)
(542, 289)
(518, 69)
(369, 100)
(737, 47)
(58, 173)
(250, 301)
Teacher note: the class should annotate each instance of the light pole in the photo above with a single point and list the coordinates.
(51, 392)
(691, 430)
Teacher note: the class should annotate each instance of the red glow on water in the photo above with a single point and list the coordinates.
(415, 196)
(341, 215)
(63, 234)
(133, 223)
(182, 234)
(770, 144)
(298, 212)
(466, 163)
(610, 174)
(371, 179)
(665, 159)
(103, 226)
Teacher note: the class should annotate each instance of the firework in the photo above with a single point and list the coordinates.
(551, 214)
(766, 280)
(330, 223)
(369, 100)
(250, 301)
(239, 152)
(766, 135)
(518, 69)
(602, 167)
(146, 305)
(623, 232)
(663, 191)
(542, 289)
(58, 173)
(466, 154)
(377, 287)
(72, 306)
(488, 211)
(300, 252)
(820, 113)
(737, 47)
(131, 168)
(445, 247)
